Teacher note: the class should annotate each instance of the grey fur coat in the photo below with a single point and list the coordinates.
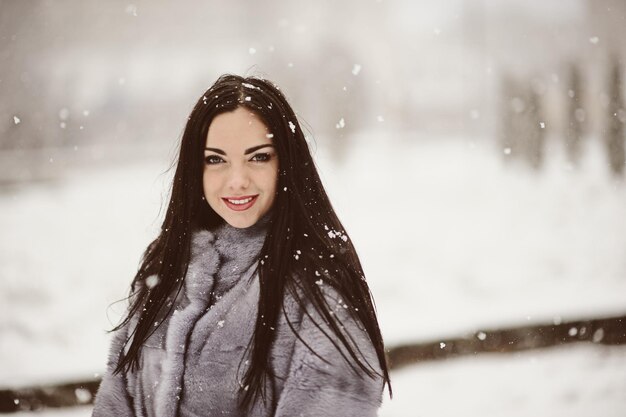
(193, 364)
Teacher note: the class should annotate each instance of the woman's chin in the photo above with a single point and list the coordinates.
(241, 222)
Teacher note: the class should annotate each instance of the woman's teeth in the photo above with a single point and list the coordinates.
(244, 201)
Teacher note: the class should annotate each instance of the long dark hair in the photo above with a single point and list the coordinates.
(304, 234)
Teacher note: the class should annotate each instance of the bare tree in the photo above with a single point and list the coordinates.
(521, 126)
(575, 115)
(614, 129)
(534, 130)
(509, 107)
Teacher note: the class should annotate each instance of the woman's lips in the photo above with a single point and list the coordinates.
(240, 203)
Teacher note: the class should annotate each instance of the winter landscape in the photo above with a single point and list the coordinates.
(459, 229)
(473, 243)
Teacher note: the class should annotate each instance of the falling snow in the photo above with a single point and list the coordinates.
(152, 281)
(82, 395)
(64, 113)
(598, 335)
(131, 9)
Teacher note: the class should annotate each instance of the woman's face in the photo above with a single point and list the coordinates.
(240, 168)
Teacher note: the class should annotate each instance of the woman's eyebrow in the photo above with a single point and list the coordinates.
(216, 150)
(246, 152)
(256, 148)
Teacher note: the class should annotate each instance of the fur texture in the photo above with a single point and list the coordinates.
(193, 364)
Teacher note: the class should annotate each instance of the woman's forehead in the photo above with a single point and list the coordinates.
(240, 128)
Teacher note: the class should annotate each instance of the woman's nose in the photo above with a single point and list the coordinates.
(239, 178)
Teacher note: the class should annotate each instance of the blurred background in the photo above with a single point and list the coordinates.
(473, 149)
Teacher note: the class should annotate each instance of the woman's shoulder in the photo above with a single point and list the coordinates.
(328, 320)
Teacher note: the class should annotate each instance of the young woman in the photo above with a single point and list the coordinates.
(252, 300)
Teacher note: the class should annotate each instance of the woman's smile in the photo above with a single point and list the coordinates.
(240, 203)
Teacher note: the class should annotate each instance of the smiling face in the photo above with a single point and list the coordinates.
(240, 168)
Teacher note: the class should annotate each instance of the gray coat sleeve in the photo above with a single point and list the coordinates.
(324, 383)
(113, 398)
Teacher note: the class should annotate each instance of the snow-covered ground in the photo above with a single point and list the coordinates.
(577, 381)
(451, 240)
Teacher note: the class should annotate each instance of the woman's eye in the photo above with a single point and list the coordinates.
(213, 159)
(261, 157)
